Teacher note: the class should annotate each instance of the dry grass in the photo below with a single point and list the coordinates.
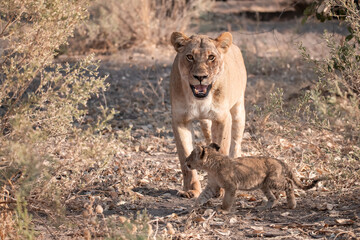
(115, 24)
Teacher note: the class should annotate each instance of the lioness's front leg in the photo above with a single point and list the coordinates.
(221, 130)
(237, 128)
(184, 145)
(205, 125)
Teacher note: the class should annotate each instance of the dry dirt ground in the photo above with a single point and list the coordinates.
(150, 173)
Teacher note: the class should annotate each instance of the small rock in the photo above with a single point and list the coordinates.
(329, 207)
(99, 209)
(166, 195)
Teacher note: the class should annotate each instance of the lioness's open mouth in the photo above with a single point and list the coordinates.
(201, 91)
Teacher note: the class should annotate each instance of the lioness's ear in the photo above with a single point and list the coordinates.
(214, 146)
(178, 40)
(224, 41)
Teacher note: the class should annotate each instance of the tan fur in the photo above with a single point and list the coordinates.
(202, 61)
(245, 173)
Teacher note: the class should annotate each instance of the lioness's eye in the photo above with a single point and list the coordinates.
(189, 57)
(211, 57)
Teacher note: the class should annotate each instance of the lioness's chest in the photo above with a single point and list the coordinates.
(203, 109)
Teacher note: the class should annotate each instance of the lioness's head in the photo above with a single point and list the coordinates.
(198, 157)
(200, 59)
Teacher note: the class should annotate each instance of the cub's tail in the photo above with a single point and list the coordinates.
(299, 184)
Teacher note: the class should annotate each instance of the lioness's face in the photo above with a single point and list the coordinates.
(200, 60)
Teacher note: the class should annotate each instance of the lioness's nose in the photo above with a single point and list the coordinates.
(200, 78)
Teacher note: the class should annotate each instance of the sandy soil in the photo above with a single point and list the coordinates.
(139, 92)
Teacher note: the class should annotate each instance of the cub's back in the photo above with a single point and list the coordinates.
(260, 166)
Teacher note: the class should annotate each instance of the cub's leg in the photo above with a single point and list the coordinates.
(220, 130)
(228, 198)
(211, 190)
(184, 144)
(290, 196)
(205, 125)
(237, 128)
(270, 196)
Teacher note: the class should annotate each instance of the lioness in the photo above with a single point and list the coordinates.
(245, 173)
(207, 83)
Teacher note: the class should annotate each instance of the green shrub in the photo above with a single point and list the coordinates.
(336, 97)
(42, 108)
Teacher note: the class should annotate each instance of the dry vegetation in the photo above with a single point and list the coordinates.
(87, 151)
(115, 24)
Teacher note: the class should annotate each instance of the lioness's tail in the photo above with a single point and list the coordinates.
(299, 184)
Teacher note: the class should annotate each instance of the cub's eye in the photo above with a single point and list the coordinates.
(190, 57)
(211, 58)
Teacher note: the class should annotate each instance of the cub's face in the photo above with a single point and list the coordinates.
(199, 156)
(200, 60)
(196, 159)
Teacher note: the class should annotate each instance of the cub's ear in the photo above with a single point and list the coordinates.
(178, 40)
(224, 41)
(203, 151)
(214, 146)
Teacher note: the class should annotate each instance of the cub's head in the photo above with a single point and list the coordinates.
(199, 156)
(200, 59)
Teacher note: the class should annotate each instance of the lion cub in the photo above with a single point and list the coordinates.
(244, 173)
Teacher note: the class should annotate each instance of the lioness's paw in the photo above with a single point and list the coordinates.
(188, 194)
(220, 193)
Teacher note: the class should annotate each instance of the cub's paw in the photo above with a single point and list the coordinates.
(222, 210)
(188, 194)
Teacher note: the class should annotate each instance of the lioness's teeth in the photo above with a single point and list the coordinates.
(196, 91)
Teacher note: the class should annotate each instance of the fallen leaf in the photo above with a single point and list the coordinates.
(173, 215)
(121, 203)
(217, 222)
(223, 233)
(245, 195)
(257, 228)
(199, 219)
(333, 213)
(252, 199)
(285, 214)
(180, 208)
(170, 229)
(345, 221)
(232, 220)
(276, 226)
(208, 212)
(122, 219)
